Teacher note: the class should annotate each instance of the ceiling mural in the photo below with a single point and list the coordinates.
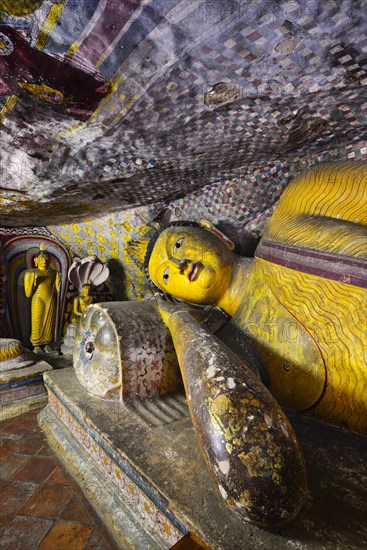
(106, 105)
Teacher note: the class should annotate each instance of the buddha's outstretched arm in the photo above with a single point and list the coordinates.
(29, 283)
(248, 443)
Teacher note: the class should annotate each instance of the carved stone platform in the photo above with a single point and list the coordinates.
(141, 468)
(21, 384)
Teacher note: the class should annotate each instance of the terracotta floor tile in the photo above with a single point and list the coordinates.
(37, 488)
(60, 476)
(31, 443)
(4, 520)
(10, 465)
(24, 533)
(14, 494)
(7, 448)
(66, 536)
(47, 501)
(36, 469)
(45, 450)
(10, 435)
(77, 509)
(98, 541)
(19, 425)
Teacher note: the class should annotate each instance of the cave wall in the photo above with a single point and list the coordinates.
(240, 205)
(109, 105)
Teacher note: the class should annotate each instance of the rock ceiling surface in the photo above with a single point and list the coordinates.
(106, 105)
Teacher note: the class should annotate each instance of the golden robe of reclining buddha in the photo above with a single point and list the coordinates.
(302, 300)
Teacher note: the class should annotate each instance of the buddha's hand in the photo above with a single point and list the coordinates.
(168, 307)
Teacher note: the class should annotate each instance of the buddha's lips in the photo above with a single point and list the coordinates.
(193, 271)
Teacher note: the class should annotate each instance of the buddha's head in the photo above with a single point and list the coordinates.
(191, 263)
(85, 291)
(42, 261)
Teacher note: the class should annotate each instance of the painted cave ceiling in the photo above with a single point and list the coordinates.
(110, 104)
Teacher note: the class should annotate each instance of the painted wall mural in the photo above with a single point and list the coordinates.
(241, 205)
(109, 105)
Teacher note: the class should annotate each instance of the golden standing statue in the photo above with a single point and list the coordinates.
(42, 285)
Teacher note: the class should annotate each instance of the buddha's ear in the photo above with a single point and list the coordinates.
(206, 224)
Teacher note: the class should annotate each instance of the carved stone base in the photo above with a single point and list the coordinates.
(21, 385)
(142, 470)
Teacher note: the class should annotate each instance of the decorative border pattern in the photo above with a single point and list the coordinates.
(15, 392)
(135, 495)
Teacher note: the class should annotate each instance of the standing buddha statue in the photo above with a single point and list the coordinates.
(42, 285)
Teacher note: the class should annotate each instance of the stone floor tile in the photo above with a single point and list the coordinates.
(10, 465)
(77, 509)
(60, 475)
(47, 501)
(66, 536)
(25, 533)
(4, 520)
(36, 469)
(14, 494)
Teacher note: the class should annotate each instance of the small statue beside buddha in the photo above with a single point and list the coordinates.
(42, 285)
(85, 274)
(81, 302)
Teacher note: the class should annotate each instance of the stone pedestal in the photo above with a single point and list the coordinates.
(142, 469)
(21, 384)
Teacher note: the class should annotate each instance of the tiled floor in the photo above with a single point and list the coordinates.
(41, 506)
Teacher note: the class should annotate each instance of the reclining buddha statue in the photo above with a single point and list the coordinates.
(295, 336)
(302, 300)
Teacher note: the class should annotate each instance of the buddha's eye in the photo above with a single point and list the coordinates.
(166, 275)
(177, 245)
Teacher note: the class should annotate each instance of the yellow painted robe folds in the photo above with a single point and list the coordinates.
(43, 305)
(306, 302)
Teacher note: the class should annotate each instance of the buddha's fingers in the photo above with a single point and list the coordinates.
(248, 443)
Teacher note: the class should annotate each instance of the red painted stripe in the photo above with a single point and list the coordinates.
(336, 267)
(112, 20)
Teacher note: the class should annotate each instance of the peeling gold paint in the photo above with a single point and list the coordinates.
(8, 107)
(245, 498)
(20, 8)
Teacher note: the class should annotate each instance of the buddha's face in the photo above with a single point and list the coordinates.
(42, 261)
(192, 264)
(85, 291)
